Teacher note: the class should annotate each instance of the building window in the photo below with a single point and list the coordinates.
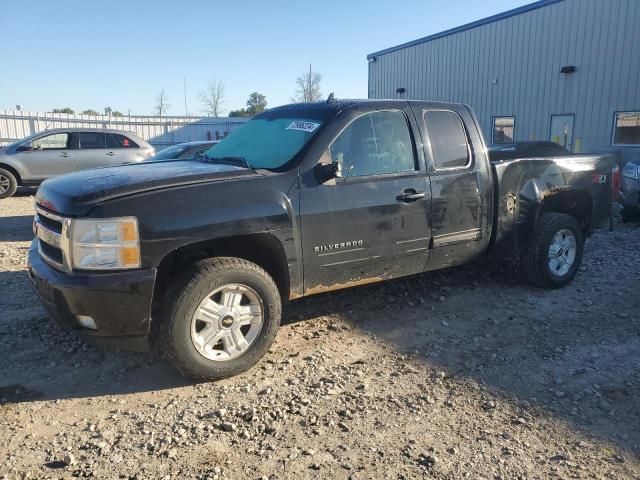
(503, 129)
(626, 130)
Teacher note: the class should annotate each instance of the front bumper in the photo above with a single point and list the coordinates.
(119, 302)
(629, 191)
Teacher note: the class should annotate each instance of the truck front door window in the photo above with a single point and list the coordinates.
(377, 143)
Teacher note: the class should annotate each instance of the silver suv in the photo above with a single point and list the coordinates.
(64, 150)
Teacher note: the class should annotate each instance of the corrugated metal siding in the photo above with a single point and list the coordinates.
(158, 131)
(524, 53)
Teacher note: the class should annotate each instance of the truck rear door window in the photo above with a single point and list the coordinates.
(376, 143)
(448, 139)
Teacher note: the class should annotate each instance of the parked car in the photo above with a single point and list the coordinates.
(629, 196)
(63, 150)
(532, 149)
(200, 255)
(183, 151)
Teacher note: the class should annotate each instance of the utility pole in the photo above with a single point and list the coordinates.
(186, 110)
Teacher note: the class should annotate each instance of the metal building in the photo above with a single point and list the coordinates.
(561, 70)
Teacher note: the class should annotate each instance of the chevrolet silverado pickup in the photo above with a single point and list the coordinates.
(198, 257)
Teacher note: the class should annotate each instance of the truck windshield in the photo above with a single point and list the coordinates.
(266, 142)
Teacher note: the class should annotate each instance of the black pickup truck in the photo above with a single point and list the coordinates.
(199, 256)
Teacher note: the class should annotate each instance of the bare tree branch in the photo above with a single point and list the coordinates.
(162, 103)
(212, 98)
(308, 87)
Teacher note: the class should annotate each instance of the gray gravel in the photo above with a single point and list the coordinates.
(465, 373)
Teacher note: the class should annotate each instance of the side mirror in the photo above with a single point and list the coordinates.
(329, 171)
(25, 147)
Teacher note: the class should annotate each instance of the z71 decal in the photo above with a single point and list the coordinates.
(599, 179)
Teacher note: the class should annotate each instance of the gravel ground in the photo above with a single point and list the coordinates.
(464, 373)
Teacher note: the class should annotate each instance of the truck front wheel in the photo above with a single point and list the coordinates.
(555, 253)
(221, 319)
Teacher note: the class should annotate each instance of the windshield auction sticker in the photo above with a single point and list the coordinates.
(303, 126)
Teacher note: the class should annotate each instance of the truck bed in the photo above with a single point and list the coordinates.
(525, 187)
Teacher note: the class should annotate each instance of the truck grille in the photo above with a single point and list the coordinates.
(51, 253)
(52, 232)
(51, 224)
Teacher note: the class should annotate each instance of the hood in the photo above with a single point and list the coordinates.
(76, 193)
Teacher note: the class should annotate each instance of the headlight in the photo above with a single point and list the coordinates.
(630, 170)
(105, 244)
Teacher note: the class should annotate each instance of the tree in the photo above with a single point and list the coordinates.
(212, 98)
(162, 103)
(117, 114)
(63, 110)
(308, 87)
(256, 104)
(89, 111)
(242, 112)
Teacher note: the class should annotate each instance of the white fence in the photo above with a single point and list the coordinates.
(158, 131)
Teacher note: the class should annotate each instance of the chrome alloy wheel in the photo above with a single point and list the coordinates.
(227, 322)
(562, 252)
(5, 184)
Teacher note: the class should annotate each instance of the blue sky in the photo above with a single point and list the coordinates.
(93, 54)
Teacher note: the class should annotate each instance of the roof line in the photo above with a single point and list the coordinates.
(468, 26)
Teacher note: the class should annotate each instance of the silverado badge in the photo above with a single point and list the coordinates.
(338, 246)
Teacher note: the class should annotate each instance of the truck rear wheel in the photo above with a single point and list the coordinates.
(555, 253)
(8, 183)
(222, 318)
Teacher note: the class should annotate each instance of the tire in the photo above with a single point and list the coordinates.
(8, 183)
(186, 347)
(540, 265)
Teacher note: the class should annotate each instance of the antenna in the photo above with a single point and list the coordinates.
(330, 98)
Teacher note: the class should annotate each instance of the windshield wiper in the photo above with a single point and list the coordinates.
(235, 161)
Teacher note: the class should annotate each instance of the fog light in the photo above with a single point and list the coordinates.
(86, 322)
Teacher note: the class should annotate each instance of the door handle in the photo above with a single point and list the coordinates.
(411, 196)
(111, 154)
(63, 154)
